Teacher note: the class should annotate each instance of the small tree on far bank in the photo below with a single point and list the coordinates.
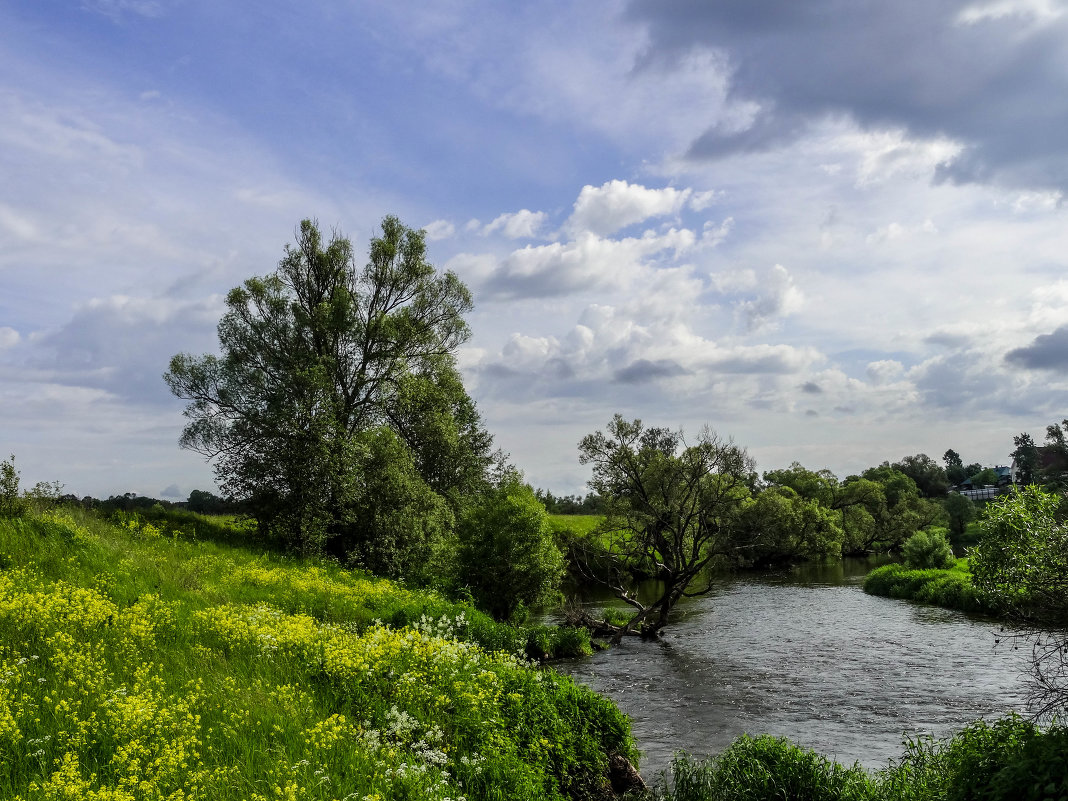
(1025, 455)
(11, 503)
(961, 511)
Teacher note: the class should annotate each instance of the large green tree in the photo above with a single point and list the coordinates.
(318, 360)
(954, 466)
(671, 505)
(929, 476)
(1025, 455)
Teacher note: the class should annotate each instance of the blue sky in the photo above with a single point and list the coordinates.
(834, 232)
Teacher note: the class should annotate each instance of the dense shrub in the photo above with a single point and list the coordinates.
(761, 768)
(1021, 561)
(928, 548)
(950, 588)
(508, 559)
(1007, 760)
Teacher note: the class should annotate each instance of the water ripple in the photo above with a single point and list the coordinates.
(812, 658)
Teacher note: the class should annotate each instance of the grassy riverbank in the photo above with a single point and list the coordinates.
(951, 588)
(1007, 760)
(136, 663)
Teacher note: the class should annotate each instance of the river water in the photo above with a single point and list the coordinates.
(806, 654)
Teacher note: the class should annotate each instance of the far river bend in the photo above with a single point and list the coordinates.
(804, 653)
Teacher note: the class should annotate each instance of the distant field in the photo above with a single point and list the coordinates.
(578, 524)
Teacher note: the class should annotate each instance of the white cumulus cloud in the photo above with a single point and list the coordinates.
(587, 261)
(439, 229)
(523, 224)
(884, 371)
(616, 204)
(776, 297)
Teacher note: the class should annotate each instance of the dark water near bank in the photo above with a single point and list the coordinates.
(805, 654)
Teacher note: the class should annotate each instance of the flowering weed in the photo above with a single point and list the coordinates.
(136, 665)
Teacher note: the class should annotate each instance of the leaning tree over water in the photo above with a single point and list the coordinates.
(669, 505)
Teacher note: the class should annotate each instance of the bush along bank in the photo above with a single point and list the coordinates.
(138, 665)
(1007, 760)
(951, 587)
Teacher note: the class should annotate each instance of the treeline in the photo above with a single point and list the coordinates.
(796, 513)
(589, 504)
(199, 501)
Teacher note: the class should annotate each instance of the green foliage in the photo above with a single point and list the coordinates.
(952, 588)
(783, 526)
(314, 357)
(896, 508)
(11, 503)
(961, 511)
(394, 524)
(821, 486)
(1007, 760)
(571, 505)
(1054, 470)
(1025, 455)
(1021, 562)
(986, 477)
(667, 503)
(204, 502)
(926, 473)
(141, 664)
(763, 768)
(928, 548)
(507, 554)
(569, 526)
(955, 472)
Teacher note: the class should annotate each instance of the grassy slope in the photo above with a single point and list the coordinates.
(139, 665)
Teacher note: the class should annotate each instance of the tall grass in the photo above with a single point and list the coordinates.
(951, 588)
(139, 664)
(1007, 760)
(763, 768)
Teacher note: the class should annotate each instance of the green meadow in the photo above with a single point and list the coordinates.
(138, 662)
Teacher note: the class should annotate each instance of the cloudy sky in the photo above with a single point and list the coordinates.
(834, 231)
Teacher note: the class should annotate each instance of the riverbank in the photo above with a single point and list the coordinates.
(137, 662)
(950, 588)
(1007, 760)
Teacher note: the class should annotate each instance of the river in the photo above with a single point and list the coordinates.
(806, 654)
